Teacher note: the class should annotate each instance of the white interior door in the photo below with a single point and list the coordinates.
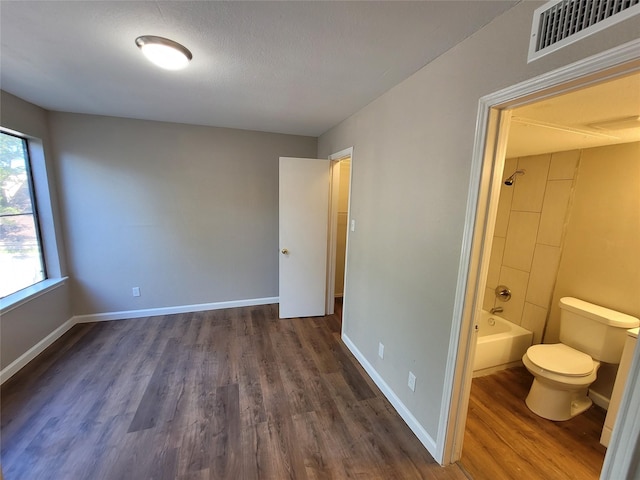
(304, 218)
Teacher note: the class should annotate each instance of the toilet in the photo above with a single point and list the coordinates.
(589, 334)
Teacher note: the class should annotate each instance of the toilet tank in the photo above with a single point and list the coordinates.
(594, 330)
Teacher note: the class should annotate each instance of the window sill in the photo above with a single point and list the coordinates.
(25, 295)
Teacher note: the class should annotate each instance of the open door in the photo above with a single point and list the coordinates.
(303, 228)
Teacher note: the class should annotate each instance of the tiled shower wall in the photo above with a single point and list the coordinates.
(528, 236)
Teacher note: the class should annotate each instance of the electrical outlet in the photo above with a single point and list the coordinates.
(380, 350)
(412, 382)
(135, 291)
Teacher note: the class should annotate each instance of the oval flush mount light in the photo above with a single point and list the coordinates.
(163, 52)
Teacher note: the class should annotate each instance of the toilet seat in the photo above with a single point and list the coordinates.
(561, 359)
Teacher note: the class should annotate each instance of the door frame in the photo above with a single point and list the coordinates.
(484, 189)
(333, 222)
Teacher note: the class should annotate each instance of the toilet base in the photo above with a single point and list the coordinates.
(556, 404)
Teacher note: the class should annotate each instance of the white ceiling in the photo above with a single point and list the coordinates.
(290, 67)
(603, 114)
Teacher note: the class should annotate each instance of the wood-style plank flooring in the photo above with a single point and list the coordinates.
(232, 393)
(505, 440)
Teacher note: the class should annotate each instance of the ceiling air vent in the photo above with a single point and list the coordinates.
(561, 22)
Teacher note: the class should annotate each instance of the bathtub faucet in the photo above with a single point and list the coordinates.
(496, 310)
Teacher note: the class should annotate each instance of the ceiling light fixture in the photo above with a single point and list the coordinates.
(163, 52)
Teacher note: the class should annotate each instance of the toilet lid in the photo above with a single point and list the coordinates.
(559, 358)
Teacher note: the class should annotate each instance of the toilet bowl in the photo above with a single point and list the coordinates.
(562, 376)
(564, 371)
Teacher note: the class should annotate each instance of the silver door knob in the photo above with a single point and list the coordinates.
(285, 251)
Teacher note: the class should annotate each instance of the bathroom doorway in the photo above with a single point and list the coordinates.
(528, 117)
(555, 147)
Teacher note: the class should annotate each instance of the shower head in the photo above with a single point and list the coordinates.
(509, 181)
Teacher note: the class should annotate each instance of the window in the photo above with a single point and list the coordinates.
(21, 259)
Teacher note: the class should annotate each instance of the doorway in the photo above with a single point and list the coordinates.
(339, 228)
(314, 201)
(495, 118)
(554, 222)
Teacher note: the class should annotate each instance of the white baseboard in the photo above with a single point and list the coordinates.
(400, 407)
(34, 351)
(490, 370)
(599, 399)
(152, 312)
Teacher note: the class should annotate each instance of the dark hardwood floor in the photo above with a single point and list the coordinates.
(232, 393)
(505, 440)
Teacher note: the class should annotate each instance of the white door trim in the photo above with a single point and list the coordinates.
(333, 220)
(347, 152)
(481, 200)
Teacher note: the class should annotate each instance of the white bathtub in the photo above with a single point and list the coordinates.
(501, 344)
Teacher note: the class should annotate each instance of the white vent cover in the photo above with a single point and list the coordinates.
(561, 22)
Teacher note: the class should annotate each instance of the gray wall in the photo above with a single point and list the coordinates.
(189, 214)
(26, 325)
(411, 166)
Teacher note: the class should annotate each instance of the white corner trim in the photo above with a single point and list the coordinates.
(34, 351)
(400, 407)
(152, 312)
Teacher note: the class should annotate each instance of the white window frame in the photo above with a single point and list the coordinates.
(34, 208)
(49, 236)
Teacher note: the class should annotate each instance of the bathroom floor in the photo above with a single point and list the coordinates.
(505, 440)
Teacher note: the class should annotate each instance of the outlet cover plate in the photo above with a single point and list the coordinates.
(412, 382)
(380, 350)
